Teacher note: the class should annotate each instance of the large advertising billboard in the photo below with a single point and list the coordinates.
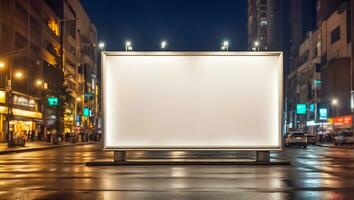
(192, 100)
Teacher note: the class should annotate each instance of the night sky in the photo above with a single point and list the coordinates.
(186, 24)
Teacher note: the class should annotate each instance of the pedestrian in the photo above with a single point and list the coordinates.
(28, 135)
(32, 135)
(67, 137)
(82, 136)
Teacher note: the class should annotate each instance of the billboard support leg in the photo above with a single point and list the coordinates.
(263, 156)
(120, 156)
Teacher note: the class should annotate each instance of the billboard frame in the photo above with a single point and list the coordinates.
(279, 146)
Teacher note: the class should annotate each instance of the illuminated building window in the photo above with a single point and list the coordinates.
(53, 25)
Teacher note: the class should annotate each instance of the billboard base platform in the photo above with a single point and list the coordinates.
(120, 159)
(183, 162)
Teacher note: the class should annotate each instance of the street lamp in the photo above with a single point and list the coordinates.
(225, 45)
(43, 86)
(128, 46)
(334, 102)
(256, 45)
(163, 44)
(101, 45)
(18, 75)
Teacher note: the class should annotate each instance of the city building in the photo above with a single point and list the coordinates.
(257, 25)
(302, 15)
(49, 48)
(322, 76)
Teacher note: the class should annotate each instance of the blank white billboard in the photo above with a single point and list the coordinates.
(192, 100)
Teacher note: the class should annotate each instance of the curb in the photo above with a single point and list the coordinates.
(41, 148)
(333, 147)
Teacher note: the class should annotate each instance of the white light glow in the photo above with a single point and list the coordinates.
(163, 44)
(101, 45)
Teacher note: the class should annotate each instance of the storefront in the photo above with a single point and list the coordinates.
(25, 119)
(341, 122)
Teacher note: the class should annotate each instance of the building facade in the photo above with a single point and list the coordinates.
(257, 25)
(46, 48)
(322, 76)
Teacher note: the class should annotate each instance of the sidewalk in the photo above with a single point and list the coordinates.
(37, 145)
(331, 145)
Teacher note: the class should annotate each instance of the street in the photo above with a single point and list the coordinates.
(60, 173)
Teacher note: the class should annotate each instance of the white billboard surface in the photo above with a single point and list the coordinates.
(192, 100)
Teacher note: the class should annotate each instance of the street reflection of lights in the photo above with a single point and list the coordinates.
(177, 154)
(178, 172)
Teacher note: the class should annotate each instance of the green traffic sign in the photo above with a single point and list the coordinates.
(52, 101)
(86, 112)
(301, 109)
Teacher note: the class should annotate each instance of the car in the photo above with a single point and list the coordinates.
(311, 139)
(296, 139)
(344, 137)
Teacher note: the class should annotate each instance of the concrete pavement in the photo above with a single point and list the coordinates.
(60, 173)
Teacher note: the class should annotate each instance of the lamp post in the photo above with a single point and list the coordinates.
(9, 79)
(43, 87)
(334, 104)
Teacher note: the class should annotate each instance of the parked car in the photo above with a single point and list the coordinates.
(311, 139)
(344, 137)
(296, 139)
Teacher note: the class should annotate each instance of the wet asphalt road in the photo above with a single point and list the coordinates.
(314, 173)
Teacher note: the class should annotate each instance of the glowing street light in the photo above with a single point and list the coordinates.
(256, 46)
(2, 65)
(19, 75)
(101, 45)
(334, 102)
(225, 45)
(128, 46)
(163, 44)
(39, 82)
(256, 43)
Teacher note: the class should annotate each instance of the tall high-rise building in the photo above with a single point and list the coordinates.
(302, 15)
(257, 25)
